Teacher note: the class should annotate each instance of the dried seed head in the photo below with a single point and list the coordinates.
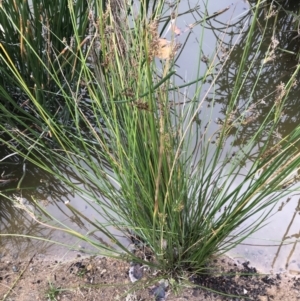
(280, 93)
(271, 55)
(165, 49)
(295, 83)
(153, 28)
(274, 42)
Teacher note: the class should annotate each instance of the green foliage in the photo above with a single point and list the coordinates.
(146, 160)
(52, 292)
(42, 30)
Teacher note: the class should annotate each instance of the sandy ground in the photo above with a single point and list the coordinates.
(104, 279)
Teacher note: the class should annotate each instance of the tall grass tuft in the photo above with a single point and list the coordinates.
(150, 160)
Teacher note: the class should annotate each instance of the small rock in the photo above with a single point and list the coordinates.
(159, 292)
(135, 272)
(196, 292)
(15, 268)
(164, 282)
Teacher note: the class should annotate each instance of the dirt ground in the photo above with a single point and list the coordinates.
(105, 279)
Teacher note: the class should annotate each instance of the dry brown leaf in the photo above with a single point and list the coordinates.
(174, 28)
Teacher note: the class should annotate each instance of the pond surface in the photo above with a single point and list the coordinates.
(275, 247)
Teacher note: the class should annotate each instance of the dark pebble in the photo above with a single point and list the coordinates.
(159, 292)
(196, 292)
(268, 280)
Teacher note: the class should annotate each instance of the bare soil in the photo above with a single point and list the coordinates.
(105, 279)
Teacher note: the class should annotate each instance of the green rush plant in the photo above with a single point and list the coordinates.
(53, 292)
(43, 30)
(152, 162)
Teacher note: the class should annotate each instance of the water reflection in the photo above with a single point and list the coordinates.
(275, 69)
(275, 247)
(49, 193)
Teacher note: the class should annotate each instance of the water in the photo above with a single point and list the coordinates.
(275, 247)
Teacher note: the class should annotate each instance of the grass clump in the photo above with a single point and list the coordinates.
(52, 293)
(151, 161)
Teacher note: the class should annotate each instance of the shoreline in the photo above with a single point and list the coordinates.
(100, 278)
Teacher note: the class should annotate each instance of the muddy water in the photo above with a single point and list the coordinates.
(275, 246)
(28, 220)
